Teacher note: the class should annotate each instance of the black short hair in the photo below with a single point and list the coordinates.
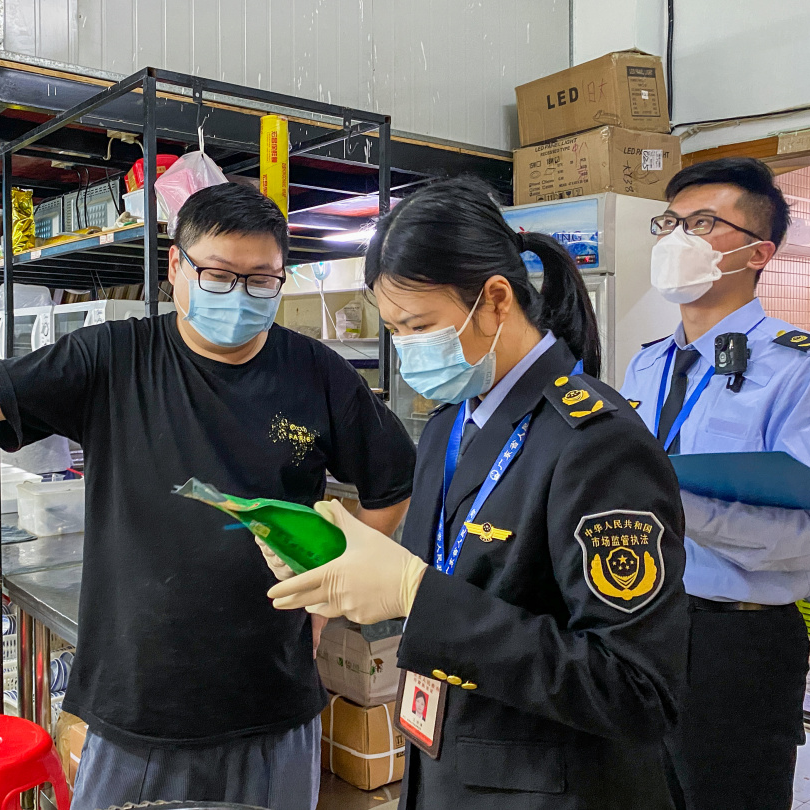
(762, 202)
(230, 208)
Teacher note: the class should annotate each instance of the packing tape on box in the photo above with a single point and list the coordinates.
(390, 753)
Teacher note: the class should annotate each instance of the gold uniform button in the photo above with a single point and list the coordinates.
(469, 685)
(439, 675)
(454, 680)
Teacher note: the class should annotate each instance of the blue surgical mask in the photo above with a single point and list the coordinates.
(433, 364)
(231, 319)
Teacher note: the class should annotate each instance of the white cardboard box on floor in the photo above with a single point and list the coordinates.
(363, 671)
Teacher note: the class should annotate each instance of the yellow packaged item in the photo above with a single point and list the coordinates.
(274, 157)
(22, 219)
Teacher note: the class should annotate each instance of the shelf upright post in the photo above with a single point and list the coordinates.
(8, 256)
(8, 288)
(150, 240)
(386, 358)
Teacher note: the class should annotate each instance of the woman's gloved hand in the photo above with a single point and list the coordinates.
(374, 579)
(280, 569)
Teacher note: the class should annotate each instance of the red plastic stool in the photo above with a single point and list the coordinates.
(27, 759)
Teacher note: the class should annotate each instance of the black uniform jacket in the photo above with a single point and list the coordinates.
(570, 634)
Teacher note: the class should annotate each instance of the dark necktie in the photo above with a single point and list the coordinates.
(471, 430)
(684, 360)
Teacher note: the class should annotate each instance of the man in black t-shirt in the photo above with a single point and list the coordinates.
(194, 687)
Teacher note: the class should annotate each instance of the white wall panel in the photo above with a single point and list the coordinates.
(442, 68)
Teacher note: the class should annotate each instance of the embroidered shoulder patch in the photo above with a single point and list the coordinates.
(794, 340)
(621, 552)
(576, 400)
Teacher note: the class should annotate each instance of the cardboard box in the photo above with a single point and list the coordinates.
(361, 745)
(77, 735)
(608, 159)
(61, 738)
(363, 671)
(624, 89)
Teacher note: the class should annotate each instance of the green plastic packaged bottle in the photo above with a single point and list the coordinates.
(298, 534)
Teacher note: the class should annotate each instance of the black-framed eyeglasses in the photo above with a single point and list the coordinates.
(216, 280)
(697, 224)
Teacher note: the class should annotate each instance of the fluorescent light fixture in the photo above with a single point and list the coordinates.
(363, 235)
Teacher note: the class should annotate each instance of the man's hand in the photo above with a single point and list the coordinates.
(318, 623)
(280, 569)
(374, 579)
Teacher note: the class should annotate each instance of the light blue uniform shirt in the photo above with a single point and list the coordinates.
(498, 392)
(736, 552)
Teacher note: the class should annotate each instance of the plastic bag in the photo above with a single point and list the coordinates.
(349, 320)
(298, 534)
(191, 172)
(22, 220)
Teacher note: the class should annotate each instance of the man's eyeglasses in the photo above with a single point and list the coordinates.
(215, 280)
(697, 224)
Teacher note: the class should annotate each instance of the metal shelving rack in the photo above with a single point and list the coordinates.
(138, 254)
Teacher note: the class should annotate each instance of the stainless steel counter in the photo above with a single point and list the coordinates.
(42, 553)
(50, 597)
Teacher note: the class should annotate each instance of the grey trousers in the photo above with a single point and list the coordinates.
(276, 771)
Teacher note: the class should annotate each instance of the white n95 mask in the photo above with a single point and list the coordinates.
(683, 266)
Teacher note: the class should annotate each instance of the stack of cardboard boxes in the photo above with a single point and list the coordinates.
(600, 126)
(69, 736)
(360, 743)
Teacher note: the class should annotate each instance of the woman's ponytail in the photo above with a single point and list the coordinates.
(563, 304)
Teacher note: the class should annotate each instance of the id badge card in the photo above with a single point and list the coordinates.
(419, 711)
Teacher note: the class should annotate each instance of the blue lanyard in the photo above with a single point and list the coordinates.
(690, 403)
(510, 451)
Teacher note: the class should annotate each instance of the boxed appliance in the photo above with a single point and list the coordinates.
(608, 159)
(361, 745)
(624, 89)
(51, 507)
(134, 178)
(363, 671)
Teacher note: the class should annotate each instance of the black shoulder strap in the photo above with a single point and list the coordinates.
(653, 342)
(576, 401)
(794, 340)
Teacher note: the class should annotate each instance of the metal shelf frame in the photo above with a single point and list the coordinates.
(139, 254)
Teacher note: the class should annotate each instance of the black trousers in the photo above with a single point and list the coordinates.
(741, 711)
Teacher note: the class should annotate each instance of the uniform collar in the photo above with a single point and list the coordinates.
(523, 398)
(741, 320)
(497, 394)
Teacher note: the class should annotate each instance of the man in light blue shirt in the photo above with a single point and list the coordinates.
(741, 713)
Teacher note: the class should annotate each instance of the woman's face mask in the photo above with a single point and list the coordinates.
(434, 365)
(683, 266)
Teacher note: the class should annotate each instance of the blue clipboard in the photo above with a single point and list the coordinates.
(759, 479)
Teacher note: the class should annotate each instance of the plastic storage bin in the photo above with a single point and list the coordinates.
(9, 478)
(133, 202)
(51, 507)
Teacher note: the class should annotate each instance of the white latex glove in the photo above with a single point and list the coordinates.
(374, 579)
(280, 569)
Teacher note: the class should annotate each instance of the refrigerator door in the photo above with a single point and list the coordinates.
(600, 292)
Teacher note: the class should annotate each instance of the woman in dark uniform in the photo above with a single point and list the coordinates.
(542, 556)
